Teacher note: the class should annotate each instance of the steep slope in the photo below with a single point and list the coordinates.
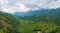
(8, 23)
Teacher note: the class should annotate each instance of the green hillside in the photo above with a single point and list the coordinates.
(48, 23)
(29, 24)
(8, 23)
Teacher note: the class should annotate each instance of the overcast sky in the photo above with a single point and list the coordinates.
(12, 6)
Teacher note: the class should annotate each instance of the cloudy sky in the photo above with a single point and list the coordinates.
(12, 6)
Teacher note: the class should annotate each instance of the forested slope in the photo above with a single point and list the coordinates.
(46, 23)
(8, 23)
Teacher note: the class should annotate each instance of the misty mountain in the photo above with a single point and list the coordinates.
(46, 20)
(37, 12)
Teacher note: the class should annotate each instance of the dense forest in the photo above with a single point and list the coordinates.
(8, 23)
(45, 23)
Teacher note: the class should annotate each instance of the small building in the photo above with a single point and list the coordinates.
(37, 30)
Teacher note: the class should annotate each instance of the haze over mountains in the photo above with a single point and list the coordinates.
(46, 21)
(37, 12)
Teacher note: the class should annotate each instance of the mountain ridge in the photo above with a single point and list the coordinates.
(37, 12)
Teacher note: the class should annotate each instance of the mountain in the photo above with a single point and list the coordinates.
(8, 23)
(42, 15)
(37, 12)
(46, 22)
(38, 15)
(30, 13)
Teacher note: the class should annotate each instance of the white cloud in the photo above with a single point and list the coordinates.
(16, 8)
(21, 7)
(12, 6)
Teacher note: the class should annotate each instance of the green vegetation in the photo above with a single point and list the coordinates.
(8, 23)
(47, 23)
